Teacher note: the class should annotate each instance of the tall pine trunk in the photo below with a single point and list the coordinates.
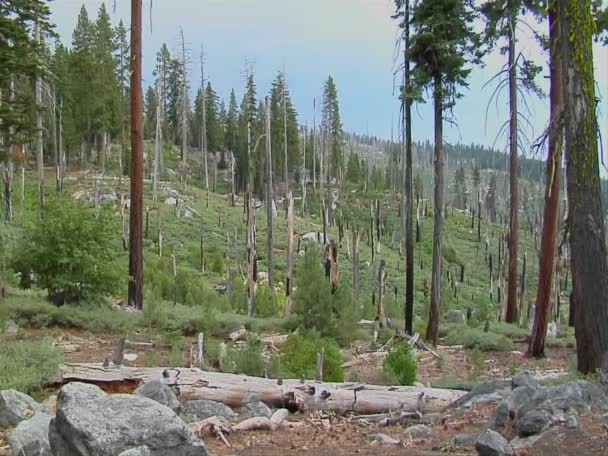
(269, 200)
(585, 215)
(433, 323)
(407, 190)
(552, 190)
(511, 309)
(136, 270)
(39, 147)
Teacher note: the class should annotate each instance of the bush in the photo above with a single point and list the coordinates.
(28, 366)
(70, 252)
(245, 359)
(473, 337)
(400, 365)
(299, 358)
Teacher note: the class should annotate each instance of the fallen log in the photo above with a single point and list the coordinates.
(235, 390)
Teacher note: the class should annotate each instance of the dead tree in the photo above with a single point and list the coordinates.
(202, 245)
(157, 141)
(330, 259)
(356, 271)
(289, 284)
(184, 103)
(269, 200)
(39, 143)
(382, 278)
(251, 257)
(136, 271)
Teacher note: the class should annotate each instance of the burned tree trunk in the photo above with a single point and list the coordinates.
(269, 201)
(552, 191)
(382, 278)
(356, 272)
(511, 310)
(289, 284)
(251, 257)
(136, 271)
(433, 323)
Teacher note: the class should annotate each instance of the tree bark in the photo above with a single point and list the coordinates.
(251, 257)
(39, 144)
(433, 323)
(136, 271)
(382, 277)
(269, 201)
(356, 272)
(204, 122)
(585, 214)
(289, 284)
(511, 309)
(157, 143)
(536, 347)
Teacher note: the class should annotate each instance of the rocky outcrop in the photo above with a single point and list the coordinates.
(90, 422)
(16, 407)
(161, 393)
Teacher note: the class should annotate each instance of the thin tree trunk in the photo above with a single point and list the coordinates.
(356, 272)
(202, 243)
(251, 257)
(157, 145)
(269, 201)
(433, 323)
(289, 284)
(304, 175)
(552, 191)
(314, 146)
(585, 214)
(381, 311)
(204, 122)
(39, 146)
(286, 171)
(136, 271)
(511, 310)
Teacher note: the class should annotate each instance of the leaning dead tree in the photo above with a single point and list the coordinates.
(552, 191)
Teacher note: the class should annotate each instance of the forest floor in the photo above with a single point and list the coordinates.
(333, 435)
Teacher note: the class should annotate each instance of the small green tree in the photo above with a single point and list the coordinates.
(70, 252)
(400, 365)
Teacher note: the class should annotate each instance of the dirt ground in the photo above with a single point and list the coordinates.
(337, 436)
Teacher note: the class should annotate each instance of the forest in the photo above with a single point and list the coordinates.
(232, 278)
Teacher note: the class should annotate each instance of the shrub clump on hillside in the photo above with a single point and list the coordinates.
(474, 337)
(70, 252)
(400, 365)
(28, 366)
(299, 358)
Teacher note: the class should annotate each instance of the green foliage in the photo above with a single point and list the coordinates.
(400, 365)
(474, 337)
(450, 255)
(477, 359)
(265, 303)
(70, 252)
(28, 366)
(299, 358)
(245, 359)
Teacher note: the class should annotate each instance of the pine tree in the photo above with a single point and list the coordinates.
(443, 44)
(121, 45)
(331, 131)
(232, 125)
(247, 126)
(150, 104)
(459, 188)
(214, 128)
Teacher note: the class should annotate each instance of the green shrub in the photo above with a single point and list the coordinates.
(71, 253)
(265, 303)
(299, 357)
(477, 359)
(509, 330)
(400, 365)
(472, 337)
(245, 358)
(28, 366)
(450, 255)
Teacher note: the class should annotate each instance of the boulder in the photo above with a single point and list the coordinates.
(491, 443)
(384, 439)
(455, 316)
(533, 422)
(524, 378)
(161, 393)
(139, 451)
(492, 387)
(31, 437)
(90, 422)
(507, 410)
(256, 407)
(417, 431)
(12, 328)
(16, 407)
(464, 440)
(198, 410)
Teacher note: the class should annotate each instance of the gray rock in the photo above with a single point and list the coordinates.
(491, 443)
(455, 316)
(31, 437)
(161, 393)
(417, 431)
(464, 440)
(508, 407)
(12, 328)
(501, 387)
(90, 422)
(139, 451)
(571, 422)
(532, 423)
(16, 407)
(524, 378)
(201, 409)
(257, 408)
(519, 443)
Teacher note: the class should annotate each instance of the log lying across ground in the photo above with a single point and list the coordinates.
(235, 390)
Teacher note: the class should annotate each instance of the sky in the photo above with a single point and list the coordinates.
(352, 40)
